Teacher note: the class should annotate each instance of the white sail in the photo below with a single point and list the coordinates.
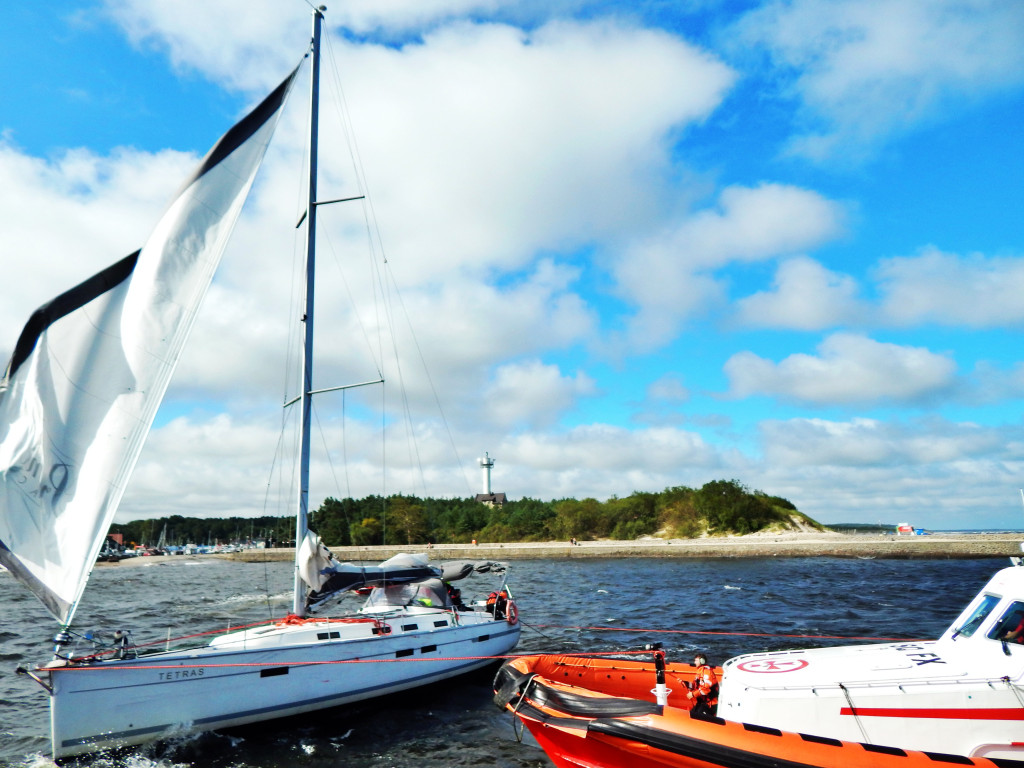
(91, 367)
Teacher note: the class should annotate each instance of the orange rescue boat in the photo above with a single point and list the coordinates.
(601, 713)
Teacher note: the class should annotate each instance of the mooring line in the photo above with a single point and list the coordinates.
(140, 667)
(730, 634)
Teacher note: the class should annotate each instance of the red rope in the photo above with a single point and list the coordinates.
(291, 618)
(731, 634)
(133, 667)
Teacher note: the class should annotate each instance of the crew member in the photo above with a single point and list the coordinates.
(496, 604)
(455, 595)
(1015, 635)
(704, 692)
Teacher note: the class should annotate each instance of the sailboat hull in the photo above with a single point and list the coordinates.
(284, 671)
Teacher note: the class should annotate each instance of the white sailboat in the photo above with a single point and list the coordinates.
(77, 400)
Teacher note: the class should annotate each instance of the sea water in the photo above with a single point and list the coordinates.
(720, 606)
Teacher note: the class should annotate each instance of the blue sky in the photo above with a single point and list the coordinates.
(640, 244)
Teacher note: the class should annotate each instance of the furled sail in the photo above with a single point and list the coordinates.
(454, 570)
(91, 367)
(327, 578)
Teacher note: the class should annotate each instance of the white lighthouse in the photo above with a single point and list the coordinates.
(485, 464)
(488, 496)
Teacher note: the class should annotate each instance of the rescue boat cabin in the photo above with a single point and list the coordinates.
(960, 694)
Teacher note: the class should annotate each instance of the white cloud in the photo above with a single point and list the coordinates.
(869, 442)
(532, 394)
(848, 369)
(754, 223)
(473, 323)
(215, 467)
(806, 297)
(485, 145)
(66, 218)
(501, 160)
(365, 16)
(863, 470)
(600, 460)
(249, 44)
(947, 289)
(866, 69)
(219, 466)
(669, 388)
(670, 276)
(932, 472)
(488, 144)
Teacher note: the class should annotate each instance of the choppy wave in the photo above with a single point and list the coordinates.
(565, 606)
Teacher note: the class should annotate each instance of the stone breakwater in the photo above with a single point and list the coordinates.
(937, 546)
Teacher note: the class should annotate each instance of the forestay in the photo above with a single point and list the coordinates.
(91, 367)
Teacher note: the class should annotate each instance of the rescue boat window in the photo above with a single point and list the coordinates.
(984, 608)
(1010, 628)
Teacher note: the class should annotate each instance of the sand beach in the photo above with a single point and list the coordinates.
(797, 544)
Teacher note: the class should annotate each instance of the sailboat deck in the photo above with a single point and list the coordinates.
(294, 631)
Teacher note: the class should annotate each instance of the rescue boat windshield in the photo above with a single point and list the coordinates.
(985, 607)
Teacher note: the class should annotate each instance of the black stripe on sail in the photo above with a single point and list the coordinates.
(116, 273)
(65, 304)
(243, 130)
(113, 275)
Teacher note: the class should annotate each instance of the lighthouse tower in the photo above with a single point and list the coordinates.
(488, 497)
(486, 463)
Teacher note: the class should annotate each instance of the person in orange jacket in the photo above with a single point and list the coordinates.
(496, 604)
(704, 692)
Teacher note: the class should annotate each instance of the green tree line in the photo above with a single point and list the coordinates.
(717, 508)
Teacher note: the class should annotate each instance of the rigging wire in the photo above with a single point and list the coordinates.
(373, 347)
(387, 285)
(323, 439)
(266, 504)
(387, 305)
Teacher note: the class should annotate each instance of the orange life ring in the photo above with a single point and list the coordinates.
(511, 613)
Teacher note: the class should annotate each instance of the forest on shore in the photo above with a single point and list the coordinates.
(720, 507)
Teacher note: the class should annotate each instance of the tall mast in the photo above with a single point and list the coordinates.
(302, 513)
